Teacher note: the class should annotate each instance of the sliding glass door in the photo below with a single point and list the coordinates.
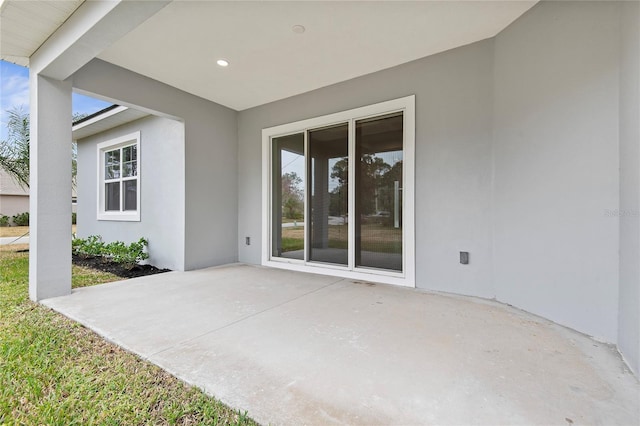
(328, 169)
(338, 196)
(378, 194)
(288, 192)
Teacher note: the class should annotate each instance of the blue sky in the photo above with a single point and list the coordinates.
(14, 93)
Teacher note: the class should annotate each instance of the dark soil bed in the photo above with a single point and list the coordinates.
(117, 268)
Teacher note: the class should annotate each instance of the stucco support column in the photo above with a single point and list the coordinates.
(50, 188)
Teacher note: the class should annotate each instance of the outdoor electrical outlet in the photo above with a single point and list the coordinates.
(464, 257)
(248, 241)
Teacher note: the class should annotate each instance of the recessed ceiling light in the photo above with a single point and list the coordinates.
(222, 62)
(298, 29)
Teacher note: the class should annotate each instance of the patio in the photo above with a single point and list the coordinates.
(291, 347)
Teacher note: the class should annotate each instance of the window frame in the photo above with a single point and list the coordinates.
(404, 278)
(131, 139)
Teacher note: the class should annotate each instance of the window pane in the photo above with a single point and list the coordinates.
(328, 173)
(288, 197)
(112, 196)
(112, 172)
(130, 169)
(130, 195)
(112, 157)
(130, 153)
(112, 164)
(379, 156)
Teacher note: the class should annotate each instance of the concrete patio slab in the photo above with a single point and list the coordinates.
(153, 313)
(295, 348)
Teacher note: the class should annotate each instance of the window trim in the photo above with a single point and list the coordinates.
(405, 278)
(110, 145)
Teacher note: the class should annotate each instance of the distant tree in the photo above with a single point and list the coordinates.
(386, 186)
(340, 171)
(14, 151)
(74, 164)
(338, 196)
(370, 172)
(372, 169)
(74, 151)
(292, 199)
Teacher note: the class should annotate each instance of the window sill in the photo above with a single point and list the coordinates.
(120, 217)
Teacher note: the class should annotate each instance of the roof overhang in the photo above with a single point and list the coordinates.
(26, 25)
(108, 118)
(179, 42)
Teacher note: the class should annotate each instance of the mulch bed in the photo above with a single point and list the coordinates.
(116, 268)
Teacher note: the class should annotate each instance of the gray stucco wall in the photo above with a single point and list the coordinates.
(161, 190)
(556, 164)
(453, 159)
(210, 155)
(516, 162)
(629, 316)
(518, 148)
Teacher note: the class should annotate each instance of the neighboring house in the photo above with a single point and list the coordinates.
(385, 143)
(14, 199)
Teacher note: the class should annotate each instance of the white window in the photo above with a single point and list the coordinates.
(338, 194)
(119, 178)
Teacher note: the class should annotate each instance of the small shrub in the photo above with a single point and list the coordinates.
(129, 255)
(117, 251)
(92, 246)
(76, 243)
(73, 218)
(21, 219)
(4, 220)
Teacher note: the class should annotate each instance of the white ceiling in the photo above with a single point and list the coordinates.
(181, 43)
(25, 25)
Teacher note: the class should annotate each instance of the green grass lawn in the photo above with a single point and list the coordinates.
(18, 231)
(54, 371)
(374, 237)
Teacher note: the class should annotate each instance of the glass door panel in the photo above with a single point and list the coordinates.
(378, 192)
(287, 197)
(328, 168)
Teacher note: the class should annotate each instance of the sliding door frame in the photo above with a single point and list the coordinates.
(406, 277)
